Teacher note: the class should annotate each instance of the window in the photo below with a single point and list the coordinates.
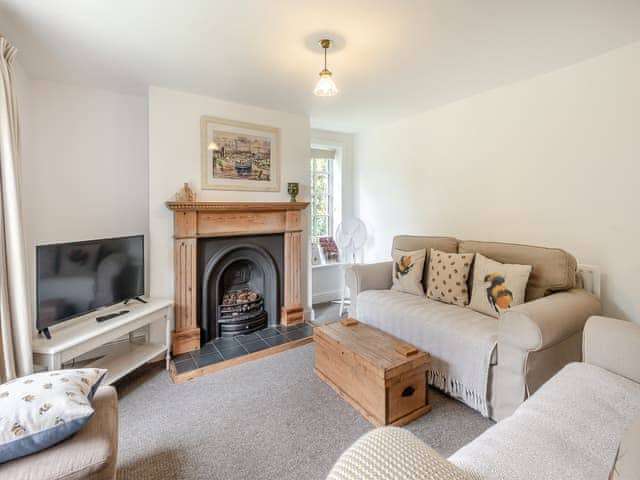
(322, 180)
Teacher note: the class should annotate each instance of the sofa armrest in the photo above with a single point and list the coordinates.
(613, 345)
(535, 340)
(542, 323)
(367, 276)
(393, 453)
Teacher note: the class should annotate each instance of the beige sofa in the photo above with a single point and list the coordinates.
(569, 429)
(91, 454)
(491, 365)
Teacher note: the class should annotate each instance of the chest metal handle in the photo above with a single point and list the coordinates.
(407, 392)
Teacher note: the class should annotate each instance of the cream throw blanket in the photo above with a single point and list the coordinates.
(569, 429)
(460, 341)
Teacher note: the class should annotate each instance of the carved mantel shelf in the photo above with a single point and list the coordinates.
(193, 220)
(236, 206)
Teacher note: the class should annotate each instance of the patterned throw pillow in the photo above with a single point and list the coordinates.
(448, 275)
(407, 271)
(40, 410)
(497, 286)
(627, 462)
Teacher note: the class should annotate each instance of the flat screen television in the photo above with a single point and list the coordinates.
(76, 278)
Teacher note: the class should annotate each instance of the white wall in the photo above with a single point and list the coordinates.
(174, 158)
(84, 166)
(554, 160)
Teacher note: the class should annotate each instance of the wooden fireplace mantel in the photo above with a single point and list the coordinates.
(236, 206)
(193, 220)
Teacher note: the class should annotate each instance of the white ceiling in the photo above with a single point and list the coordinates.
(394, 57)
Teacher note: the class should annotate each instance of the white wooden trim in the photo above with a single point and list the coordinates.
(324, 297)
(591, 277)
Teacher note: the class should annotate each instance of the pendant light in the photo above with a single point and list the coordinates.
(325, 86)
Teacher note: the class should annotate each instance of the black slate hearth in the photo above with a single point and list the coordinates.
(225, 348)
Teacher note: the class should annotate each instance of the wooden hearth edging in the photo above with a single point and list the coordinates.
(193, 220)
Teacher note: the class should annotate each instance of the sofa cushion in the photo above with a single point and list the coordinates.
(497, 286)
(407, 271)
(553, 269)
(416, 242)
(447, 277)
(568, 429)
(40, 410)
(89, 455)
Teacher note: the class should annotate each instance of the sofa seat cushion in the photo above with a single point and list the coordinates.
(90, 454)
(460, 341)
(570, 429)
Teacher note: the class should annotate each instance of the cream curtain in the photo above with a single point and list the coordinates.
(15, 325)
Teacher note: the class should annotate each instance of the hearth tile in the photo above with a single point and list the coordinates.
(223, 342)
(295, 335)
(182, 358)
(268, 332)
(292, 328)
(276, 340)
(209, 359)
(206, 349)
(185, 366)
(307, 329)
(256, 346)
(232, 352)
(244, 339)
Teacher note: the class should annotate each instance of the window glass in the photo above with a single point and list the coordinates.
(321, 198)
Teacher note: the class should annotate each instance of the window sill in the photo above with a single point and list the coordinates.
(329, 265)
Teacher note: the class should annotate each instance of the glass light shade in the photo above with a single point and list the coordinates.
(325, 86)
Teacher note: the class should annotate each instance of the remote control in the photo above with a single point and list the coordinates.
(109, 316)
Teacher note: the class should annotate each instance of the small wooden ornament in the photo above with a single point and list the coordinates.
(186, 194)
(406, 350)
(349, 322)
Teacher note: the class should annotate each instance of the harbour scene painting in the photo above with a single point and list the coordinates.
(239, 156)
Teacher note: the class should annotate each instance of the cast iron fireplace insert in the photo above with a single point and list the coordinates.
(241, 284)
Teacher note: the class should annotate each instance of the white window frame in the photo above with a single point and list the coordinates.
(330, 189)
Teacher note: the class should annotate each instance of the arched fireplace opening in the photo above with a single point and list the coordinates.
(240, 291)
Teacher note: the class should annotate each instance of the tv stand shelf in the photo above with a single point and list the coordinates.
(84, 334)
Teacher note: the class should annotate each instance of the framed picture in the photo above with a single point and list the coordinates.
(239, 156)
(317, 256)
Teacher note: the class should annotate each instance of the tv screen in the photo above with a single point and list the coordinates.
(75, 278)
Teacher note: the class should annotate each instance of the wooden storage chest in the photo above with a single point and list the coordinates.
(365, 367)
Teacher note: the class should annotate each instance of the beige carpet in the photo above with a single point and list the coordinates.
(267, 419)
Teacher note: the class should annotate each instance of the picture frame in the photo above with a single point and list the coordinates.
(317, 255)
(239, 155)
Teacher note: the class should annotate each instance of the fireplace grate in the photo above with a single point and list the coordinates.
(229, 328)
(241, 312)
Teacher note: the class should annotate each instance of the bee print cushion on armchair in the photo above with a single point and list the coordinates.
(40, 410)
(447, 277)
(407, 271)
(497, 286)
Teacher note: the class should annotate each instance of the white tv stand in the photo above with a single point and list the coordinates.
(84, 334)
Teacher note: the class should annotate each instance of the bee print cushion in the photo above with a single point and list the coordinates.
(407, 271)
(497, 286)
(447, 277)
(40, 410)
